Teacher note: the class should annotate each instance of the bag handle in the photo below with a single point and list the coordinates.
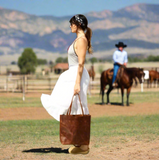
(70, 108)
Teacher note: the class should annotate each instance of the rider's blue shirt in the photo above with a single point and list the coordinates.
(120, 57)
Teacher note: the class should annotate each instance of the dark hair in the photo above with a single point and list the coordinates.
(81, 21)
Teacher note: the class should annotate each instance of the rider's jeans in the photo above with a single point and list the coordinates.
(116, 67)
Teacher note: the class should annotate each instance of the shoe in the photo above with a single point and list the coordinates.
(71, 148)
(77, 150)
(115, 85)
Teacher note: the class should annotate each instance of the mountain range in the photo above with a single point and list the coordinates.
(136, 25)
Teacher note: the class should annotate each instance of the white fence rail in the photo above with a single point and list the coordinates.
(31, 84)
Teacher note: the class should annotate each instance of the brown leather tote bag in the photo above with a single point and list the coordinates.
(75, 129)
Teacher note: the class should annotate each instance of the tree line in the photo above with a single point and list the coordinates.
(150, 58)
(28, 61)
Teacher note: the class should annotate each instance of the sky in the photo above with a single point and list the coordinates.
(68, 7)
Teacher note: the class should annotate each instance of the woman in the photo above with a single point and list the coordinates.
(74, 80)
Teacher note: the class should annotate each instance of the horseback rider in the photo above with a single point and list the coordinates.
(120, 58)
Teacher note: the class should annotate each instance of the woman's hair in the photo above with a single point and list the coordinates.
(81, 21)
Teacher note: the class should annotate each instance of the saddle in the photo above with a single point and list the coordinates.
(119, 74)
(110, 74)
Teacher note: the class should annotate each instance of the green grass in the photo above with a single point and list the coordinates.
(27, 130)
(16, 102)
(102, 129)
(135, 97)
(125, 126)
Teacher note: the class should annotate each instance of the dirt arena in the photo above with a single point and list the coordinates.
(132, 149)
(95, 111)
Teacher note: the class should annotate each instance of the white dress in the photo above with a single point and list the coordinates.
(59, 101)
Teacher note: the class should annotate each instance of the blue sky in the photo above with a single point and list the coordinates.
(68, 7)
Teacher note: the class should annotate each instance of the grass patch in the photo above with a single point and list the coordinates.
(102, 129)
(135, 97)
(138, 97)
(16, 102)
(125, 126)
(24, 131)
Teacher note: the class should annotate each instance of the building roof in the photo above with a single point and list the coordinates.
(61, 66)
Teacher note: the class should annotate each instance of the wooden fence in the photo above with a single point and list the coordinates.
(31, 84)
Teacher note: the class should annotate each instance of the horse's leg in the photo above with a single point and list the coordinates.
(128, 93)
(108, 92)
(102, 89)
(122, 96)
(156, 83)
(102, 96)
(148, 81)
(151, 84)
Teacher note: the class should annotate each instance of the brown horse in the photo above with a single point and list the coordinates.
(125, 80)
(153, 77)
(91, 72)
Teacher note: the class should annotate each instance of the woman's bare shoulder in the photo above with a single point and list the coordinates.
(82, 40)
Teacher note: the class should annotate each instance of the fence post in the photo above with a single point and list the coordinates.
(7, 84)
(50, 83)
(26, 83)
(24, 88)
(142, 88)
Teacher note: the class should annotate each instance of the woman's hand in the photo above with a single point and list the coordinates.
(77, 88)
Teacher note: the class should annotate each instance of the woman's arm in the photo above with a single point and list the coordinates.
(80, 49)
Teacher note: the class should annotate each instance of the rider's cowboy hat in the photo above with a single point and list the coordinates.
(121, 44)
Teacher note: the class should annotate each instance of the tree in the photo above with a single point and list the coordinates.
(65, 60)
(13, 62)
(27, 62)
(51, 63)
(41, 61)
(152, 58)
(59, 60)
(93, 60)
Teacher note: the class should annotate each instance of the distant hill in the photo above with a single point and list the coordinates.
(136, 25)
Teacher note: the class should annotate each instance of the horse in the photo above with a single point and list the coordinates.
(124, 80)
(91, 72)
(153, 77)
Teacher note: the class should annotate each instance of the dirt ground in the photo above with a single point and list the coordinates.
(95, 111)
(129, 150)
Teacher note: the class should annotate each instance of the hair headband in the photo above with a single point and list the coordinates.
(78, 19)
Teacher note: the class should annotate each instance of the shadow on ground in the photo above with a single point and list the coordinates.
(47, 150)
(113, 103)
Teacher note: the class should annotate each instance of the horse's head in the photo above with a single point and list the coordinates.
(140, 75)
